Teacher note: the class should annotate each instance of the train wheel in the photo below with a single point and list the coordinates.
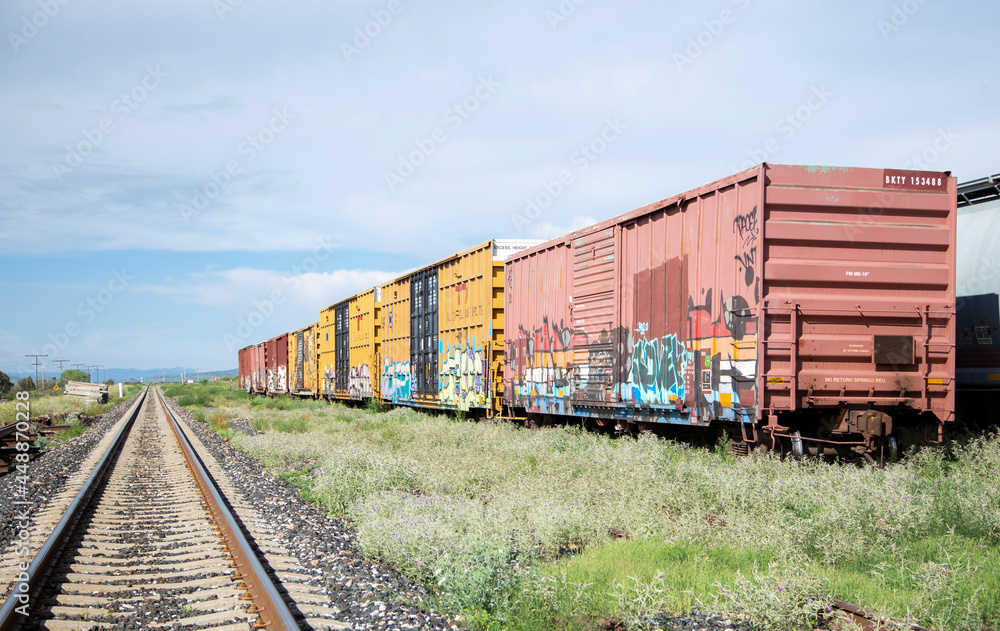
(891, 448)
(795, 437)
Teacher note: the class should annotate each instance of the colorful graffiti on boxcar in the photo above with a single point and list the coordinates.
(656, 372)
(396, 381)
(462, 376)
(542, 360)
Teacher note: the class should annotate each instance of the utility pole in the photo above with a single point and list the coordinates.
(94, 376)
(37, 364)
(60, 362)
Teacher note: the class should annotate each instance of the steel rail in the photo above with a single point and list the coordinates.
(868, 620)
(25, 588)
(269, 606)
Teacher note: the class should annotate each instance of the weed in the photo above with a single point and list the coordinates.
(218, 420)
(786, 597)
(422, 490)
(639, 601)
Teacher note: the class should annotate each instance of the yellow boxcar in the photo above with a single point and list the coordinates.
(442, 331)
(347, 347)
(302, 362)
(364, 343)
(326, 344)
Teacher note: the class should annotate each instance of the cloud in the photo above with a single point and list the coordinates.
(546, 230)
(235, 290)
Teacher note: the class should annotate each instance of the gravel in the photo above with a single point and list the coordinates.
(48, 471)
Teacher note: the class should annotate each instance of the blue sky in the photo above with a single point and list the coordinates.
(171, 168)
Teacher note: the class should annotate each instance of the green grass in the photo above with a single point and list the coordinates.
(520, 529)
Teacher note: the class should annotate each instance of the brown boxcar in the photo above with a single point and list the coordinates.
(811, 304)
(243, 369)
(276, 365)
(258, 374)
(302, 361)
(442, 331)
(348, 347)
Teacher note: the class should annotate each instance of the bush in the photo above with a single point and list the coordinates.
(218, 420)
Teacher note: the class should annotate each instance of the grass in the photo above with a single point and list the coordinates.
(54, 402)
(539, 529)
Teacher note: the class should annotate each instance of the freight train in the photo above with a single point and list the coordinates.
(807, 309)
(978, 306)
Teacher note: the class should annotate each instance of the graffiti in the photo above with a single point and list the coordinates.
(746, 262)
(462, 377)
(276, 379)
(359, 382)
(728, 385)
(541, 359)
(328, 380)
(396, 381)
(700, 324)
(657, 370)
(736, 315)
(745, 227)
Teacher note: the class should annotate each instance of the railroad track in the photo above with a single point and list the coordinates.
(869, 620)
(147, 542)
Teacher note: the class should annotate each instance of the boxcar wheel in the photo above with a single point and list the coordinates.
(795, 437)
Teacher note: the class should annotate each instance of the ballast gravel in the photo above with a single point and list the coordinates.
(48, 471)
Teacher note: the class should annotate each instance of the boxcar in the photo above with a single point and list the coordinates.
(276, 365)
(243, 369)
(258, 368)
(807, 306)
(302, 361)
(348, 347)
(442, 330)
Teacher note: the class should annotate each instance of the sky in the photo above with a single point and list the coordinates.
(182, 178)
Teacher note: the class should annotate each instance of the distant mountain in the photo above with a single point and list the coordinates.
(135, 374)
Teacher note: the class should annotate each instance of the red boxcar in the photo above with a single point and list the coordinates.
(276, 365)
(258, 367)
(813, 305)
(243, 372)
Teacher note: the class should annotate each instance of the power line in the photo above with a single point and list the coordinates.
(37, 364)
